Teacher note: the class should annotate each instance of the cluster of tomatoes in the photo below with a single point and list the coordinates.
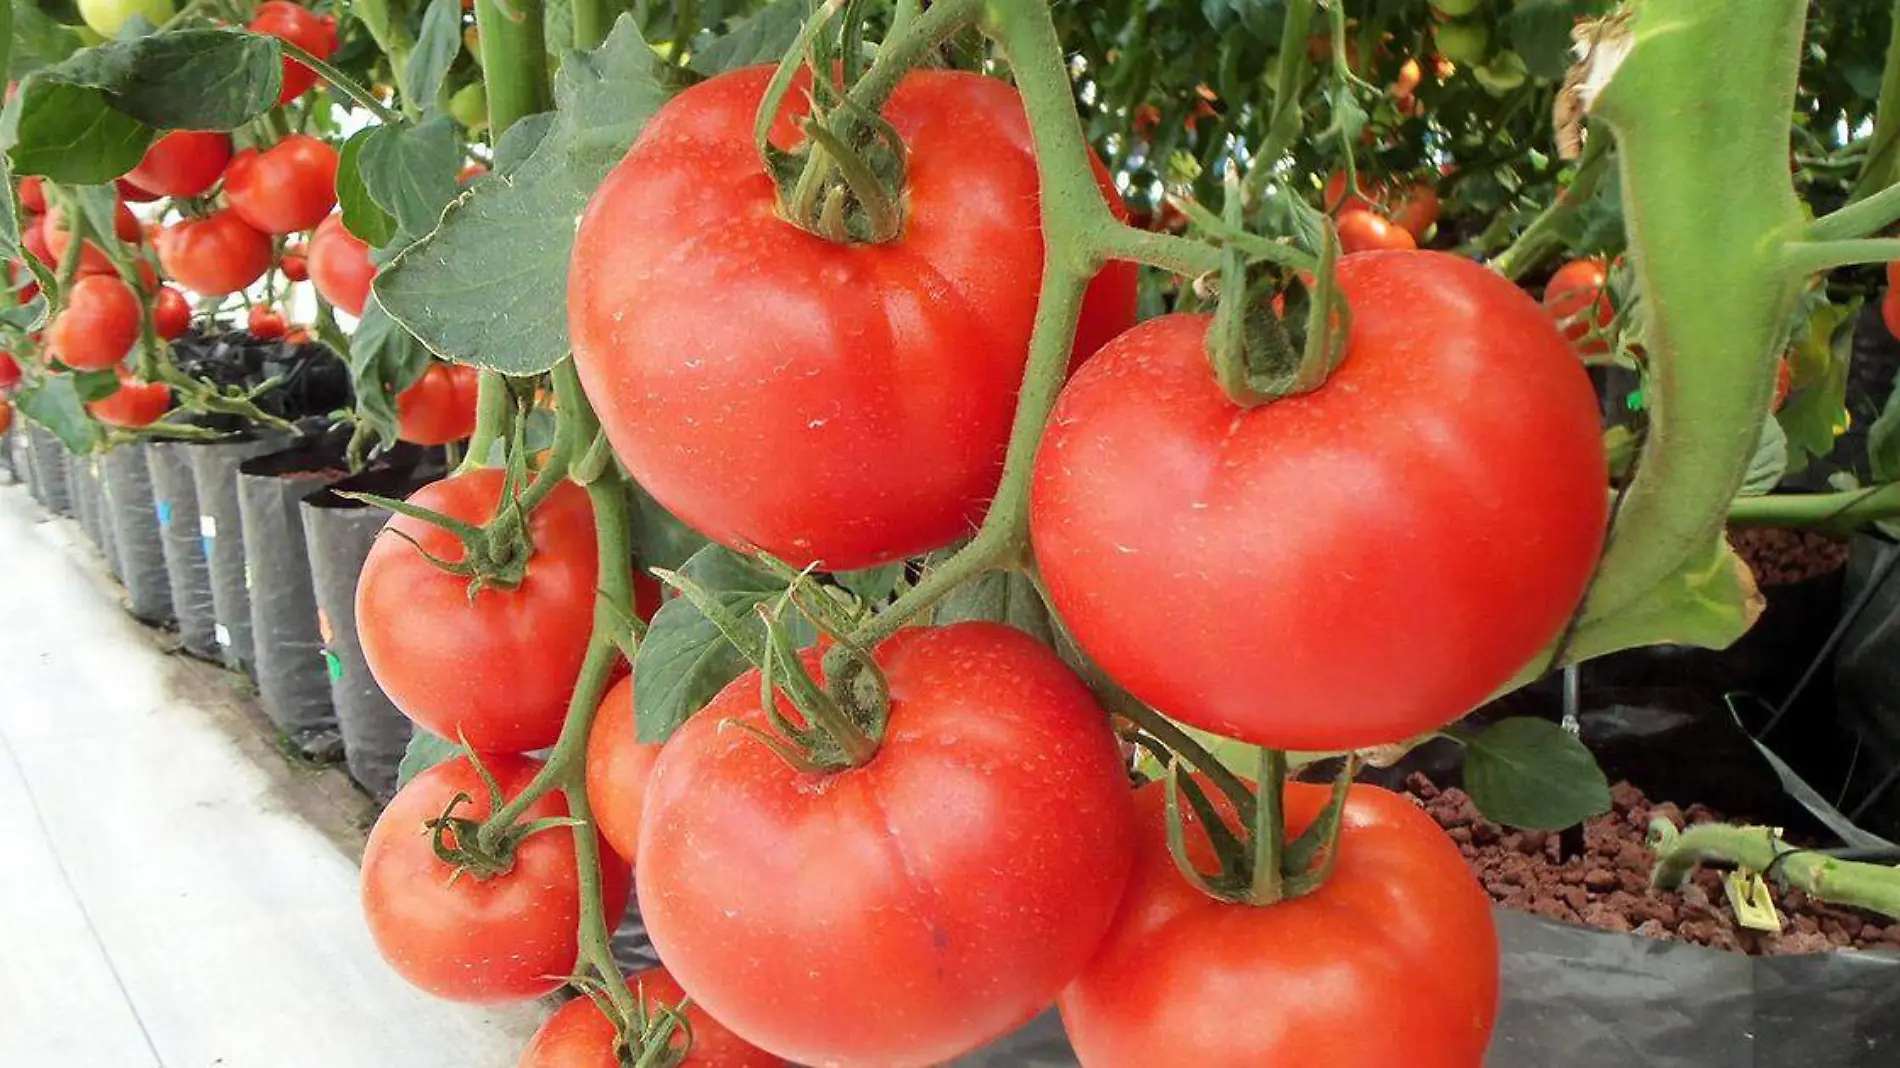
(1344, 569)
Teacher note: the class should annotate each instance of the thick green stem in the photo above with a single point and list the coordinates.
(1269, 830)
(1881, 168)
(1841, 513)
(1812, 257)
(902, 51)
(1842, 882)
(1860, 219)
(1718, 287)
(340, 82)
(393, 38)
(593, 21)
(1289, 84)
(514, 62)
(1539, 240)
(492, 410)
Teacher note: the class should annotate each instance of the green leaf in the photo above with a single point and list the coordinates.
(659, 539)
(39, 39)
(1539, 31)
(1883, 442)
(1708, 602)
(999, 597)
(1531, 773)
(94, 385)
(684, 659)
(489, 286)
(362, 216)
(519, 141)
(763, 38)
(1818, 357)
(425, 751)
(54, 403)
(1770, 462)
(409, 171)
(89, 118)
(384, 360)
(873, 584)
(437, 45)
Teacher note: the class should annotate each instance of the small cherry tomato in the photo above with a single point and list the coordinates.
(1364, 231)
(171, 314)
(265, 323)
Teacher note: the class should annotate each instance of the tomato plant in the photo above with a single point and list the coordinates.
(1578, 297)
(798, 470)
(315, 34)
(1179, 979)
(488, 936)
(171, 314)
(287, 187)
(338, 265)
(495, 668)
(618, 767)
(265, 322)
(220, 253)
(99, 325)
(735, 847)
(439, 407)
(183, 163)
(133, 404)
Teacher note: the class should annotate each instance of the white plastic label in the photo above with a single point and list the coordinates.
(207, 526)
(222, 633)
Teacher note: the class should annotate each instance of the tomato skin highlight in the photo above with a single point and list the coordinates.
(440, 406)
(183, 163)
(313, 33)
(289, 186)
(619, 766)
(580, 1036)
(98, 326)
(171, 314)
(497, 670)
(1577, 287)
(338, 265)
(1400, 934)
(218, 254)
(135, 404)
(904, 912)
(1421, 525)
(772, 412)
(506, 938)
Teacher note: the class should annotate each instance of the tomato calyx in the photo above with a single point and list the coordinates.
(653, 1035)
(1257, 865)
(495, 555)
(478, 849)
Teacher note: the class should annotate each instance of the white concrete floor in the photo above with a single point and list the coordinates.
(164, 903)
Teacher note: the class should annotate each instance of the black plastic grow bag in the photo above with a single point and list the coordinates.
(134, 524)
(220, 528)
(175, 505)
(49, 471)
(293, 681)
(339, 532)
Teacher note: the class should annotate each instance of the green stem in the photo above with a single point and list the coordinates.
(1859, 219)
(1538, 239)
(1873, 887)
(393, 38)
(491, 419)
(593, 21)
(514, 61)
(1881, 169)
(901, 52)
(341, 82)
(1839, 512)
(594, 936)
(1289, 84)
(1269, 830)
(1718, 288)
(1812, 257)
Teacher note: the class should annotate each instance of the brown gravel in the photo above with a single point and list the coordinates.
(1608, 887)
(1782, 557)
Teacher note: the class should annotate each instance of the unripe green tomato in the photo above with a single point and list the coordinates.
(1464, 43)
(469, 106)
(1505, 72)
(107, 17)
(1455, 8)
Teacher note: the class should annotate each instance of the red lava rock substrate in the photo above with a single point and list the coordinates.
(1608, 887)
(1782, 557)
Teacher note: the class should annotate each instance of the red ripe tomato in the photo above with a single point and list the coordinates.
(907, 911)
(32, 194)
(135, 404)
(9, 372)
(772, 413)
(134, 193)
(618, 766)
(1576, 287)
(1180, 979)
(288, 187)
(294, 266)
(313, 33)
(1890, 311)
(214, 255)
(183, 163)
(265, 323)
(33, 237)
(92, 258)
(1417, 209)
(1365, 231)
(339, 266)
(510, 937)
(1784, 381)
(6, 417)
(171, 314)
(1893, 272)
(497, 669)
(98, 326)
(469, 173)
(1420, 525)
(440, 406)
(581, 1036)
(1336, 199)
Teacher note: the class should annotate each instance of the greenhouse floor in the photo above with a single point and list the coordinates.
(175, 892)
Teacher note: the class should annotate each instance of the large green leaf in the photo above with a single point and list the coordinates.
(436, 48)
(489, 286)
(410, 170)
(89, 118)
(1708, 602)
(762, 38)
(659, 538)
(38, 39)
(53, 401)
(1770, 462)
(685, 658)
(1531, 773)
(425, 751)
(362, 216)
